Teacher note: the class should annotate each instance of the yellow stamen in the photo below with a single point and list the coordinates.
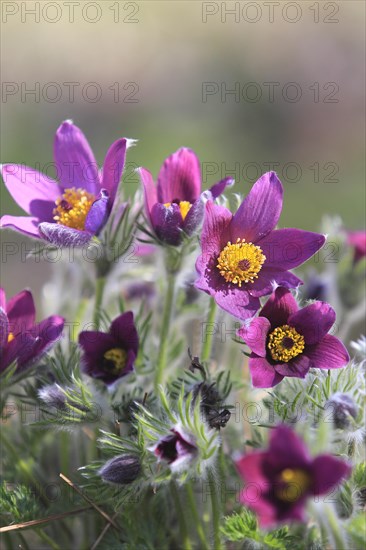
(184, 207)
(115, 360)
(73, 207)
(285, 343)
(293, 483)
(240, 262)
(10, 337)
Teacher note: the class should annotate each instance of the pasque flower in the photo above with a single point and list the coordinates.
(110, 356)
(69, 212)
(288, 341)
(175, 204)
(357, 239)
(280, 479)
(21, 339)
(121, 470)
(176, 448)
(244, 257)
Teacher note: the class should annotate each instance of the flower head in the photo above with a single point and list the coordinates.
(244, 257)
(280, 479)
(21, 339)
(288, 341)
(175, 204)
(177, 448)
(74, 209)
(342, 407)
(110, 356)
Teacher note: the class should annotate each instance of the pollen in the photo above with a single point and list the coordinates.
(293, 483)
(184, 207)
(115, 360)
(73, 207)
(10, 337)
(240, 262)
(285, 343)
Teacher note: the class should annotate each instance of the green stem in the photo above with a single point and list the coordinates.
(208, 336)
(181, 518)
(164, 333)
(334, 529)
(99, 290)
(216, 513)
(42, 535)
(196, 518)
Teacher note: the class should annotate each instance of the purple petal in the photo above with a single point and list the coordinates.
(76, 165)
(20, 349)
(330, 353)
(4, 329)
(288, 248)
(113, 167)
(313, 321)
(95, 343)
(149, 190)
(269, 278)
(279, 306)
(286, 449)
(194, 217)
(328, 472)
(167, 222)
(24, 224)
(218, 188)
(98, 213)
(2, 299)
(63, 236)
(260, 210)
(263, 373)
(46, 333)
(296, 368)
(34, 192)
(254, 335)
(21, 312)
(123, 330)
(215, 232)
(180, 177)
(237, 302)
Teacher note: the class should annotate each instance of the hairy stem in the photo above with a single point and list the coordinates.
(207, 335)
(186, 543)
(164, 332)
(196, 518)
(99, 291)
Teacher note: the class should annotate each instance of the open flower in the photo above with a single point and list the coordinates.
(21, 339)
(110, 356)
(280, 479)
(177, 448)
(72, 211)
(175, 204)
(288, 341)
(244, 257)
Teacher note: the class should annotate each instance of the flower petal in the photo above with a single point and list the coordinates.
(98, 214)
(313, 321)
(254, 334)
(2, 299)
(76, 165)
(23, 224)
(150, 193)
(328, 472)
(194, 217)
(180, 177)
(46, 333)
(330, 353)
(286, 449)
(34, 192)
(114, 163)
(4, 329)
(95, 343)
(279, 306)
(21, 312)
(20, 349)
(260, 210)
(288, 248)
(296, 368)
(123, 330)
(63, 236)
(167, 222)
(237, 302)
(218, 188)
(269, 278)
(215, 232)
(263, 374)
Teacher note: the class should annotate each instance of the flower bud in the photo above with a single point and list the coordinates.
(342, 408)
(121, 470)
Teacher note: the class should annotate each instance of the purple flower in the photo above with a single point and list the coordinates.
(175, 204)
(357, 239)
(243, 257)
(177, 448)
(280, 479)
(21, 339)
(72, 211)
(288, 341)
(122, 470)
(110, 356)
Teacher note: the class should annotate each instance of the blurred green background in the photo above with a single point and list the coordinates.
(168, 50)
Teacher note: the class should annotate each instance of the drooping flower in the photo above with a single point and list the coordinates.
(121, 470)
(244, 257)
(177, 448)
(175, 204)
(342, 408)
(280, 479)
(110, 356)
(74, 209)
(357, 239)
(288, 341)
(21, 339)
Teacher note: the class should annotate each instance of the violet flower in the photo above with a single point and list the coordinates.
(69, 212)
(244, 257)
(21, 339)
(176, 449)
(357, 239)
(281, 479)
(175, 204)
(110, 356)
(288, 341)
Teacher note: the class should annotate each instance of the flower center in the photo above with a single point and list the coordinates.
(184, 206)
(115, 360)
(73, 207)
(284, 343)
(240, 262)
(292, 484)
(10, 337)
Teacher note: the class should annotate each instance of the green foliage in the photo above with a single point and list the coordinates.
(18, 503)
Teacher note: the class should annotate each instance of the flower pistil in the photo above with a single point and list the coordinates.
(240, 262)
(115, 360)
(293, 483)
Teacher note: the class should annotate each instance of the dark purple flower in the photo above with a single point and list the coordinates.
(122, 470)
(110, 356)
(175, 204)
(288, 341)
(357, 239)
(244, 257)
(281, 479)
(176, 448)
(74, 209)
(21, 339)
(342, 407)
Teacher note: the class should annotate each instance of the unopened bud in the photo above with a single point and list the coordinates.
(343, 407)
(122, 470)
